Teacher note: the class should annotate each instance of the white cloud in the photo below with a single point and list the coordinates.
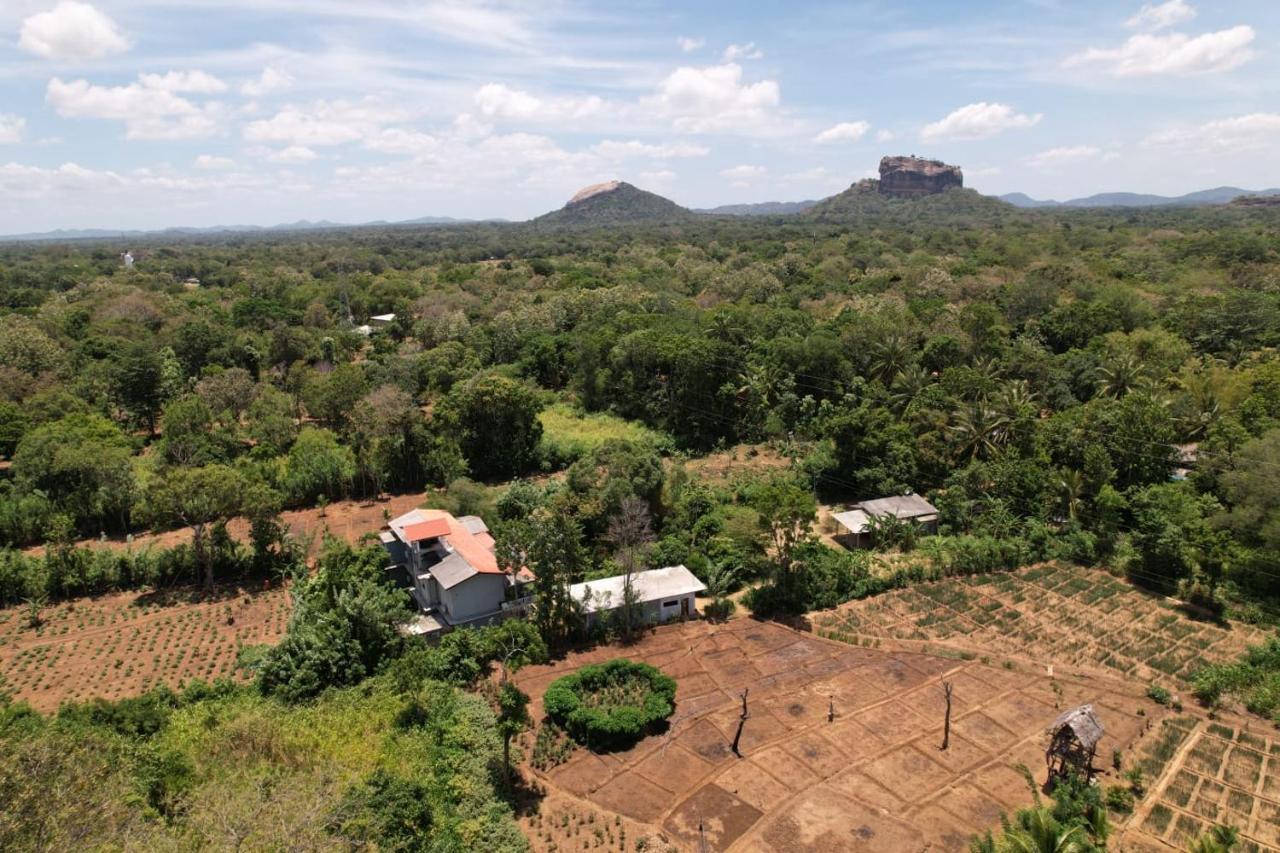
(149, 108)
(496, 100)
(884, 136)
(1162, 16)
(978, 121)
(1224, 136)
(714, 98)
(845, 131)
(196, 82)
(211, 163)
(271, 80)
(817, 173)
(614, 150)
(661, 176)
(397, 140)
(1172, 53)
(742, 173)
(11, 129)
(689, 45)
(71, 31)
(734, 52)
(1055, 157)
(323, 123)
(292, 154)
(18, 181)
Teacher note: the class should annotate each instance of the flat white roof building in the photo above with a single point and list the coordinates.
(661, 594)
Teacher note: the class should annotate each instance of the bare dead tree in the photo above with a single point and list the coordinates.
(630, 533)
(946, 722)
(737, 738)
(831, 710)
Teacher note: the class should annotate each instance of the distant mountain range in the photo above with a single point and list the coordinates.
(1218, 195)
(620, 203)
(300, 225)
(763, 208)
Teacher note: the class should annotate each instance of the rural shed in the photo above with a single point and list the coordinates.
(1073, 741)
(661, 594)
(855, 524)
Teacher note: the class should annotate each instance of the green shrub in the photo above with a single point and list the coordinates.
(1159, 695)
(719, 610)
(1118, 798)
(611, 704)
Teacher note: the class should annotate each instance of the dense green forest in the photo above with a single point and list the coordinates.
(1035, 373)
(1093, 386)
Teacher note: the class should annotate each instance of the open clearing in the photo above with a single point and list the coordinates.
(873, 778)
(1063, 615)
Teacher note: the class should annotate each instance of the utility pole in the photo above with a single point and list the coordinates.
(741, 721)
(946, 723)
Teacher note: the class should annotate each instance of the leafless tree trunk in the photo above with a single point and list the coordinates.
(737, 738)
(946, 722)
(630, 533)
(831, 710)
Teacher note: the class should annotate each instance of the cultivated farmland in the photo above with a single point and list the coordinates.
(1059, 615)
(120, 645)
(870, 777)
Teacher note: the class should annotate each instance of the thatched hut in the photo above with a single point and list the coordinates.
(1073, 742)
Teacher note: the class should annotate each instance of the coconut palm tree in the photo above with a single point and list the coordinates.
(1038, 831)
(1219, 839)
(908, 385)
(890, 355)
(1071, 489)
(1120, 375)
(978, 431)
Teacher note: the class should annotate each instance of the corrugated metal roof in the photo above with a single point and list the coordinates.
(452, 570)
(901, 506)
(653, 585)
(854, 520)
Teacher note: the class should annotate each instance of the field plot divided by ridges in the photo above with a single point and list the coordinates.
(872, 778)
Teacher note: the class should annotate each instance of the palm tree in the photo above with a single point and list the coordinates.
(1015, 398)
(889, 356)
(1203, 405)
(979, 430)
(1220, 839)
(1071, 488)
(1119, 376)
(908, 384)
(1038, 831)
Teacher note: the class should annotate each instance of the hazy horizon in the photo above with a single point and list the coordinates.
(148, 114)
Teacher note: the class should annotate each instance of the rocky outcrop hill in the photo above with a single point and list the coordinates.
(912, 177)
(615, 203)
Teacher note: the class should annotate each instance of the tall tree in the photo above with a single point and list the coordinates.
(495, 422)
(137, 380)
(787, 511)
(198, 498)
(552, 549)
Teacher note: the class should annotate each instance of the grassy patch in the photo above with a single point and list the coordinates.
(569, 433)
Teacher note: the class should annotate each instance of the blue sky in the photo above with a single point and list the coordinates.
(150, 113)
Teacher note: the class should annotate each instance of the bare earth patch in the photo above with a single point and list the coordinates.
(872, 778)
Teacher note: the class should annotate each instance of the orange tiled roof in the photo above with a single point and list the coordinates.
(476, 550)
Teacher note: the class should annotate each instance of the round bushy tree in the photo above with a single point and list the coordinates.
(611, 704)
